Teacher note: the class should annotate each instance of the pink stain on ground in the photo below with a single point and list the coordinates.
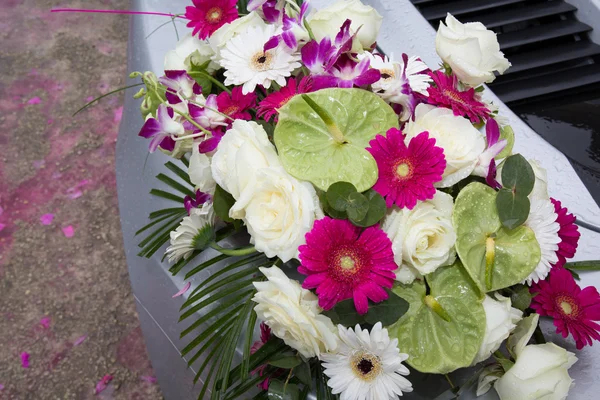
(37, 164)
(25, 359)
(147, 378)
(102, 383)
(2, 226)
(69, 231)
(79, 340)
(46, 219)
(45, 322)
(118, 114)
(34, 100)
(1, 387)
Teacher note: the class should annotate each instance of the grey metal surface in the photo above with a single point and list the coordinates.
(404, 30)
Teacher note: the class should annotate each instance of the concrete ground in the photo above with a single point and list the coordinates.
(68, 323)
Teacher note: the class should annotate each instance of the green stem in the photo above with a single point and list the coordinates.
(327, 119)
(191, 121)
(449, 381)
(490, 255)
(242, 251)
(212, 109)
(437, 308)
(210, 78)
(104, 95)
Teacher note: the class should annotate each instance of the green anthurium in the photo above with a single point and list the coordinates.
(442, 330)
(321, 137)
(495, 257)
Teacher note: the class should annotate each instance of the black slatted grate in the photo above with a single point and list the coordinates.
(553, 59)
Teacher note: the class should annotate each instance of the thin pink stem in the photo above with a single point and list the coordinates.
(116, 12)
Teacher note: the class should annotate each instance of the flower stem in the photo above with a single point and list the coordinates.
(81, 10)
(191, 121)
(327, 119)
(242, 251)
(437, 308)
(490, 255)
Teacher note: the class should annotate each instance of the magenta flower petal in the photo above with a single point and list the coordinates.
(103, 383)
(25, 359)
(68, 231)
(407, 174)
(236, 104)
(184, 289)
(46, 219)
(568, 233)
(340, 261)
(206, 16)
(269, 107)
(573, 310)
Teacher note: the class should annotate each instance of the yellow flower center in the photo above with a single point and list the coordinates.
(262, 61)
(214, 15)
(566, 307)
(366, 366)
(402, 170)
(347, 263)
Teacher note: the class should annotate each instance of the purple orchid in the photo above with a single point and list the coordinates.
(320, 57)
(399, 92)
(190, 203)
(347, 74)
(486, 165)
(210, 144)
(161, 129)
(207, 117)
(290, 25)
(180, 86)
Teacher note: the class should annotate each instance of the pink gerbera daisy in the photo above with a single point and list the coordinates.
(236, 104)
(445, 93)
(206, 16)
(574, 310)
(342, 261)
(265, 336)
(272, 103)
(407, 173)
(568, 233)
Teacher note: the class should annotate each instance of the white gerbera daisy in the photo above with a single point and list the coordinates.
(194, 233)
(246, 63)
(542, 221)
(366, 366)
(395, 75)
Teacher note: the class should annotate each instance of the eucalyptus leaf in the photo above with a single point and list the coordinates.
(310, 151)
(344, 313)
(338, 195)
(388, 311)
(278, 390)
(303, 373)
(513, 208)
(476, 219)
(358, 205)
(518, 175)
(327, 209)
(435, 345)
(286, 362)
(520, 297)
(376, 211)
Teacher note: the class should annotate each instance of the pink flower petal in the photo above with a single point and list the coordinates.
(118, 114)
(2, 226)
(149, 379)
(25, 359)
(46, 219)
(101, 385)
(79, 340)
(69, 231)
(184, 289)
(74, 193)
(45, 322)
(1, 387)
(1, 210)
(34, 100)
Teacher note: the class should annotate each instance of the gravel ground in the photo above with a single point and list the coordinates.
(65, 298)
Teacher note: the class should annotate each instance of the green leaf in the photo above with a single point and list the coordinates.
(506, 133)
(591, 265)
(358, 206)
(186, 190)
(222, 203)
(278, 390)
(338, 195)
(286, 362)
(520, 336)
(476, 219)
(166, 195)
(513, 208)
(505, 363)
(248, 345)
(388, 311)
(308, 149)
(518, 175)
(179, 172)
(520, 297)
(327, 209)
(376, 212)
(344, 313)
(303, 373)
(433, 344)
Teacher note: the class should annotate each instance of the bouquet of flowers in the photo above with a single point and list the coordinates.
(375, 214)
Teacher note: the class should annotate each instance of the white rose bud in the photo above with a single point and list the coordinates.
(541, 371)
(422, 238)
(462, 143)
(501, 320)
(328, 21)
(190, 50)
(471, 50)
(200, 172)
(278, 211)
(293, 314)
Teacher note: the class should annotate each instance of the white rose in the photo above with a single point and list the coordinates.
(278, 211)
(293, 314)
(200, 172)
(328, 21)
(225, 33)
(462, 143)
(501, 320)
(422, 238)
(471, 50)
(540, 372)
(244, 149)
(190, 49)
